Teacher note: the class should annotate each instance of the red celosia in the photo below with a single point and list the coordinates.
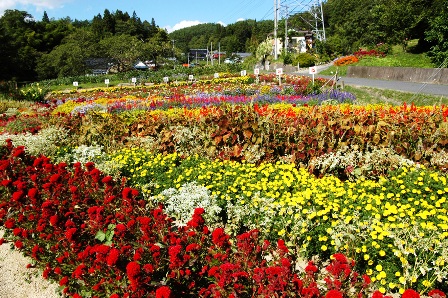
(220, 238)
(63, 281)
(79, 271)
(113, 256)
(133, 270)
(334, 294)
(18, 244)
(410, 293)
(311, 268)
(163, 292)
(436, 294)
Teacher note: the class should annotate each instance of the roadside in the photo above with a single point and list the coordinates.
(17, 281)
(410, 87)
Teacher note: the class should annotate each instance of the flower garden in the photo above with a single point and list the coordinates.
(228, 187)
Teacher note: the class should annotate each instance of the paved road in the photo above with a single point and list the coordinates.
(418, 88)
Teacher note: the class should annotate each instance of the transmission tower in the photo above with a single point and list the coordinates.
(314, 7)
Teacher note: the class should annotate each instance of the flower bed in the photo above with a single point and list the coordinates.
(254, 161)
(98, 238)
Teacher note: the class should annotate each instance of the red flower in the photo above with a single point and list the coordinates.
(113, 256)
(69, 234)
(220, 238)
(366, 280)
(6, 182)
(78, 272)
(436, 294)
(17, 195)
(57, 270)
(76, 295)
(114, 296)
(133, 270)
(340, 258)
(281, 245)
(333, 294)
(163, 292)
(10, 223)
(410, 293)
(148, 268)
(63, 281)
(54, 220)
(311, 268)
(18, 244)
(107, 179)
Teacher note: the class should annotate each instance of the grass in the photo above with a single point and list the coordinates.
(368, 95)
(398, 58)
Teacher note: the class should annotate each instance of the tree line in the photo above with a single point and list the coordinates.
(48, 48)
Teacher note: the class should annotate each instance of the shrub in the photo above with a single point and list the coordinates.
(304, 60)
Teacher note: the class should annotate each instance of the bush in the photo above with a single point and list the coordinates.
(304, 60)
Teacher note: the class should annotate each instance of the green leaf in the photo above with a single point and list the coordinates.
(100, 235)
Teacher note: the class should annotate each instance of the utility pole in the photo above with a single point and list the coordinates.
(286, 30)
(174, 57)
(275, 29)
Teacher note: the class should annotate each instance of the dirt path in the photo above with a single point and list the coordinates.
(16, 281)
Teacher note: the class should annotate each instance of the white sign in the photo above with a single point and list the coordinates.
(243, 73)
(166, 79)
(106, 81)
(134, 80)
(313, 70)
(75, 84)
(191, 77)
(279, 71)
(216, 75)
(257, 71)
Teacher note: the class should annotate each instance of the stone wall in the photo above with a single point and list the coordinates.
(409, 74)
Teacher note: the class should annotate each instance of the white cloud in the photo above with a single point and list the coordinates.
(222, 23)
(39, 5)
(182, 24)
(240, 19)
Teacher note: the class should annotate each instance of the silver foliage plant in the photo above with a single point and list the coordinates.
(180, 203)
(356, 163)
(46, 142)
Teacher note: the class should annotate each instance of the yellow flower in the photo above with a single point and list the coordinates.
(379, 268)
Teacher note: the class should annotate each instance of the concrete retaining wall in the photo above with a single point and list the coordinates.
(409, 74)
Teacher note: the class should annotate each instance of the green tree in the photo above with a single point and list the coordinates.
(69, 58)
(18, 44)
(437, 35)
(123, 49)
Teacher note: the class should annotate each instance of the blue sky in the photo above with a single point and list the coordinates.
(169, 14)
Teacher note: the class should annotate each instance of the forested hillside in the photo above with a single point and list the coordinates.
(40, 49)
